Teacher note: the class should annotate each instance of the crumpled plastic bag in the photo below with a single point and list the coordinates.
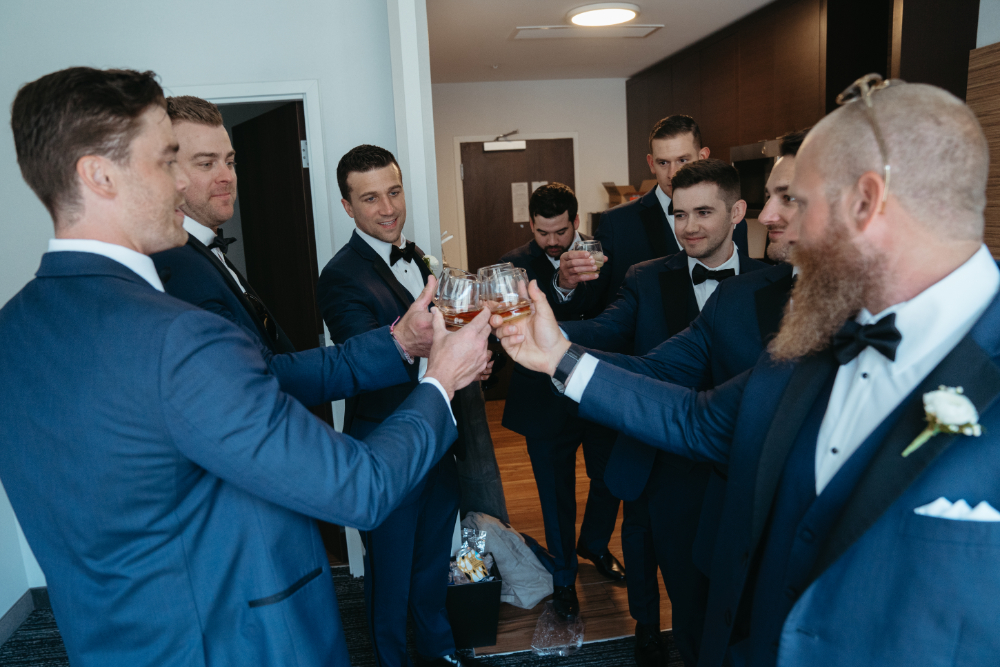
(555, 635)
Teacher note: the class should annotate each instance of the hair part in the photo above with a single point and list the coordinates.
(552, 200)
(193, 110)
(362, 158)
(710, 170)
(72, 113)
(673, 126)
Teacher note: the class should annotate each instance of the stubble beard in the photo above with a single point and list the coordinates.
(836, 280)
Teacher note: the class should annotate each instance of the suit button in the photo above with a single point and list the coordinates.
(807, 536)
(728, 617)
(791, 593)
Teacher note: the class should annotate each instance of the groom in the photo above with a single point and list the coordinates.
(835, 548)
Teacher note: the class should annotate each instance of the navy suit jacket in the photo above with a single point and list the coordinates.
(531, 408)
(887, 586)
(168, 492)
(635, 232)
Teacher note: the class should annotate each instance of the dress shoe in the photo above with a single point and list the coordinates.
(649, 650)
(453, 660)
(607, 565)
(565, 602)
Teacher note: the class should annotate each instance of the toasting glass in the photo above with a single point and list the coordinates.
(457, 297)
(487, 271)
(595, 250)
(505, 292)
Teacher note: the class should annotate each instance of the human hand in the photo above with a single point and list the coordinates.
(458, 358)
(414, 331)
(489, 367)
(575, 267)
(534, 341)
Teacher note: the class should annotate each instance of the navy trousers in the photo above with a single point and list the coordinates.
(553, 461)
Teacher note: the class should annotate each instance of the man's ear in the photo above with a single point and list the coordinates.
(704, 153)
(99, 175)
(649, 161)
(866, 200)
(738, 211)
(348, 207)
(576, 222)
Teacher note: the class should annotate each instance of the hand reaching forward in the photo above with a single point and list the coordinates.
(414, 331)
(575, 267)
(534, 341)
(458, 358)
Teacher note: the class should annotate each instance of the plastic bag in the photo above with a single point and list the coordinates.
(470, 559)
(555, 635)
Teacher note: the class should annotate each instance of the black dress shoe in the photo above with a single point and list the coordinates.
(607, 565)
(451, 661)
(649, 650)
(565, 602)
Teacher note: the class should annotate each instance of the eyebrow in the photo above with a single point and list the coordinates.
(779, 189)
(198, 156)
(375, 192)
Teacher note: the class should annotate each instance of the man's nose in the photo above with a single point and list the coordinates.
(769, 214)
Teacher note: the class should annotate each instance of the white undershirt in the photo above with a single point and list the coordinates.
(707, 288)
(665, 204)
(206, 236)
(136, 261)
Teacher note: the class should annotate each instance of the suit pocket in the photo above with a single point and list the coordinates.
(288, 592)
(936, 529)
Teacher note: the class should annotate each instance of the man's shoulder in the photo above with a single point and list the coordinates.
(624, 212)
(347, 259)
(520, 256)
(751, 281)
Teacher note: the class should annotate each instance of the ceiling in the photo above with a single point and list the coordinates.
(472, 40)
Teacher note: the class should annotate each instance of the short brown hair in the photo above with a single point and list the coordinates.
(194, 110)
(74, 112)
(710, 170)
(552, 200)
(362, 159)
(672, 126)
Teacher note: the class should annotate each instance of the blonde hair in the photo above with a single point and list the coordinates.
(194, 110)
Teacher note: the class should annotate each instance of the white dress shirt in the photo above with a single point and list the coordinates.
(136, 261)
(707, 288)
(206, 236)
(870, 387)
(665, 204)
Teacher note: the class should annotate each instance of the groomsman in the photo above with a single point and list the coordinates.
(533, 410)
(643, 229)
(168, 492)
(370, 283)
(851, 523)
(663, 492)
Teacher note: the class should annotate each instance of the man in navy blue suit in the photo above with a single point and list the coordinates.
(370, 283)
(663, 492)
(860, 519)
(553, 435)
(164, 480)
(643, 229)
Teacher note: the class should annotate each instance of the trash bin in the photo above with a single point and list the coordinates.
(474, 611)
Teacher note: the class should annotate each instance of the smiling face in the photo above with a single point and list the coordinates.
(779, 210)
(377, 203)
(207, 158)
(554, 235)
(704, 223)
(670, 154)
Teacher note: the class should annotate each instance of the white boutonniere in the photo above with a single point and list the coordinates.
(948, 410)
(432, 263)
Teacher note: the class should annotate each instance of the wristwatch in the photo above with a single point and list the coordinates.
(568, 363)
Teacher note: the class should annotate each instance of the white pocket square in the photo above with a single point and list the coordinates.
(960, 510)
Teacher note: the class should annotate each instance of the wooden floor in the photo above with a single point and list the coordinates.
(603, 605)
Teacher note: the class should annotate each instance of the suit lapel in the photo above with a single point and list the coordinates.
(381, 268)
(223, 270)
(541, 266)
(770, 302)
(889, 474)
(803, 388)
(655, 224)
(680, 307)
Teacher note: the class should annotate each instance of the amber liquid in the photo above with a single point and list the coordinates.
(599, 260)
(511, 311)
(454, 320)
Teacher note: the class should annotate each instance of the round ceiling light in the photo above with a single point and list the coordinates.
(604, 13)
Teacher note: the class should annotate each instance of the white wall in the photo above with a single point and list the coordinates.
(342, 44)
(593, 109)
(989, 23)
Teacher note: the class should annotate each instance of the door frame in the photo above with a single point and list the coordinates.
(460, 192)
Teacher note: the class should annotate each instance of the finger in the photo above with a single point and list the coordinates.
(437, 322)
(481, 322)
(511, 342)
(496, 321)
(426, 295)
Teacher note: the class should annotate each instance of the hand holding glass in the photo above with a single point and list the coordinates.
(595, 250)
(458, 298)
(505, 292)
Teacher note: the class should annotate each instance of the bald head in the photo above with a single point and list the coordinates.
(936, 148)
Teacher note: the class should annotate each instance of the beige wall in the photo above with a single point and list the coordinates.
(592, 110)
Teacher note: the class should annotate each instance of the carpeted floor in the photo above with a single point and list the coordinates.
(37, 642)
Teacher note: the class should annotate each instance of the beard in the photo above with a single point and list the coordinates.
(836, 280)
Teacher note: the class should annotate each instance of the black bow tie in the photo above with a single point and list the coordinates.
(406, 253)
(700, 274)
(220, 241)
(670, 208)
(853, 338)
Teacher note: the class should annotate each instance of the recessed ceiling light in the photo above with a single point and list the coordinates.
(604, 13)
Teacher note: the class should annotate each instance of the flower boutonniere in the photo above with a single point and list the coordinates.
(947, 410)
(432, 263)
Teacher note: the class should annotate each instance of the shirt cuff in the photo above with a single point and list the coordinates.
(578, 380)
(564, 294)
(444, 394)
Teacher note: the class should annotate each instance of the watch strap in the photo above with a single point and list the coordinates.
(568, 362)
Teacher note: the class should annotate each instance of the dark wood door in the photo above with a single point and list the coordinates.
(490, 230)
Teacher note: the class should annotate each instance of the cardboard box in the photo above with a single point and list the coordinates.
(474, 611)
(623, 193)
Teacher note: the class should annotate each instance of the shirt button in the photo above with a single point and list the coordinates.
(864, 376)
(834, 450)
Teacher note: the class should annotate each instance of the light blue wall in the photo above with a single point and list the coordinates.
(342, 44)
(989, 23)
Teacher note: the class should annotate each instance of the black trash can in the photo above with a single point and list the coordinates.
(474, 611)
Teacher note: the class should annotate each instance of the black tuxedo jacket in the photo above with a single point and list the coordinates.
(637, 232)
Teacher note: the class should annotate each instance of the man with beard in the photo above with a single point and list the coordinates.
(551, 433)
(849, 529)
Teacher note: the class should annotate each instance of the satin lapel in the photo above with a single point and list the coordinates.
(385, 273)
(228, 277)
(770, 302)
(680, 307)
(889, 474)
(655, 224)
(801, 392)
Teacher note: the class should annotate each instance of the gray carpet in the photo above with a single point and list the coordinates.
(37, 642)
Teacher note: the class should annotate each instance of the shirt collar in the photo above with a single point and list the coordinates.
(136, 261)
(198, 230)
(383, 248)
(554, 260)
(732, 263)
(663, 199)
(940, 312)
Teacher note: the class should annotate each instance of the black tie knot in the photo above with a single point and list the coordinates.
(700, 274)
(406, 253)
(220, 241)
(853, 338)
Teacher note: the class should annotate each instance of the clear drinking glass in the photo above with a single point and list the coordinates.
(505, 292)
(457, 297)
(595, 250)
(488, 271)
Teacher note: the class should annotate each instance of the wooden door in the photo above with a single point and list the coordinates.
(490, 230)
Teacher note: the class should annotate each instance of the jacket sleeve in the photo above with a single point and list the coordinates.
(614, 329)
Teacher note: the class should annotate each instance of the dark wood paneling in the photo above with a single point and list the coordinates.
(719, 116)
(756, 83)
(936, 40)
(638, 111)
(798, 98)
(984, 99)
(687, 86)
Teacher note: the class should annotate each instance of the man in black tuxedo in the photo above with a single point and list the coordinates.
(370, 283)
(551, 433)
(663, 492)
(644, 229)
